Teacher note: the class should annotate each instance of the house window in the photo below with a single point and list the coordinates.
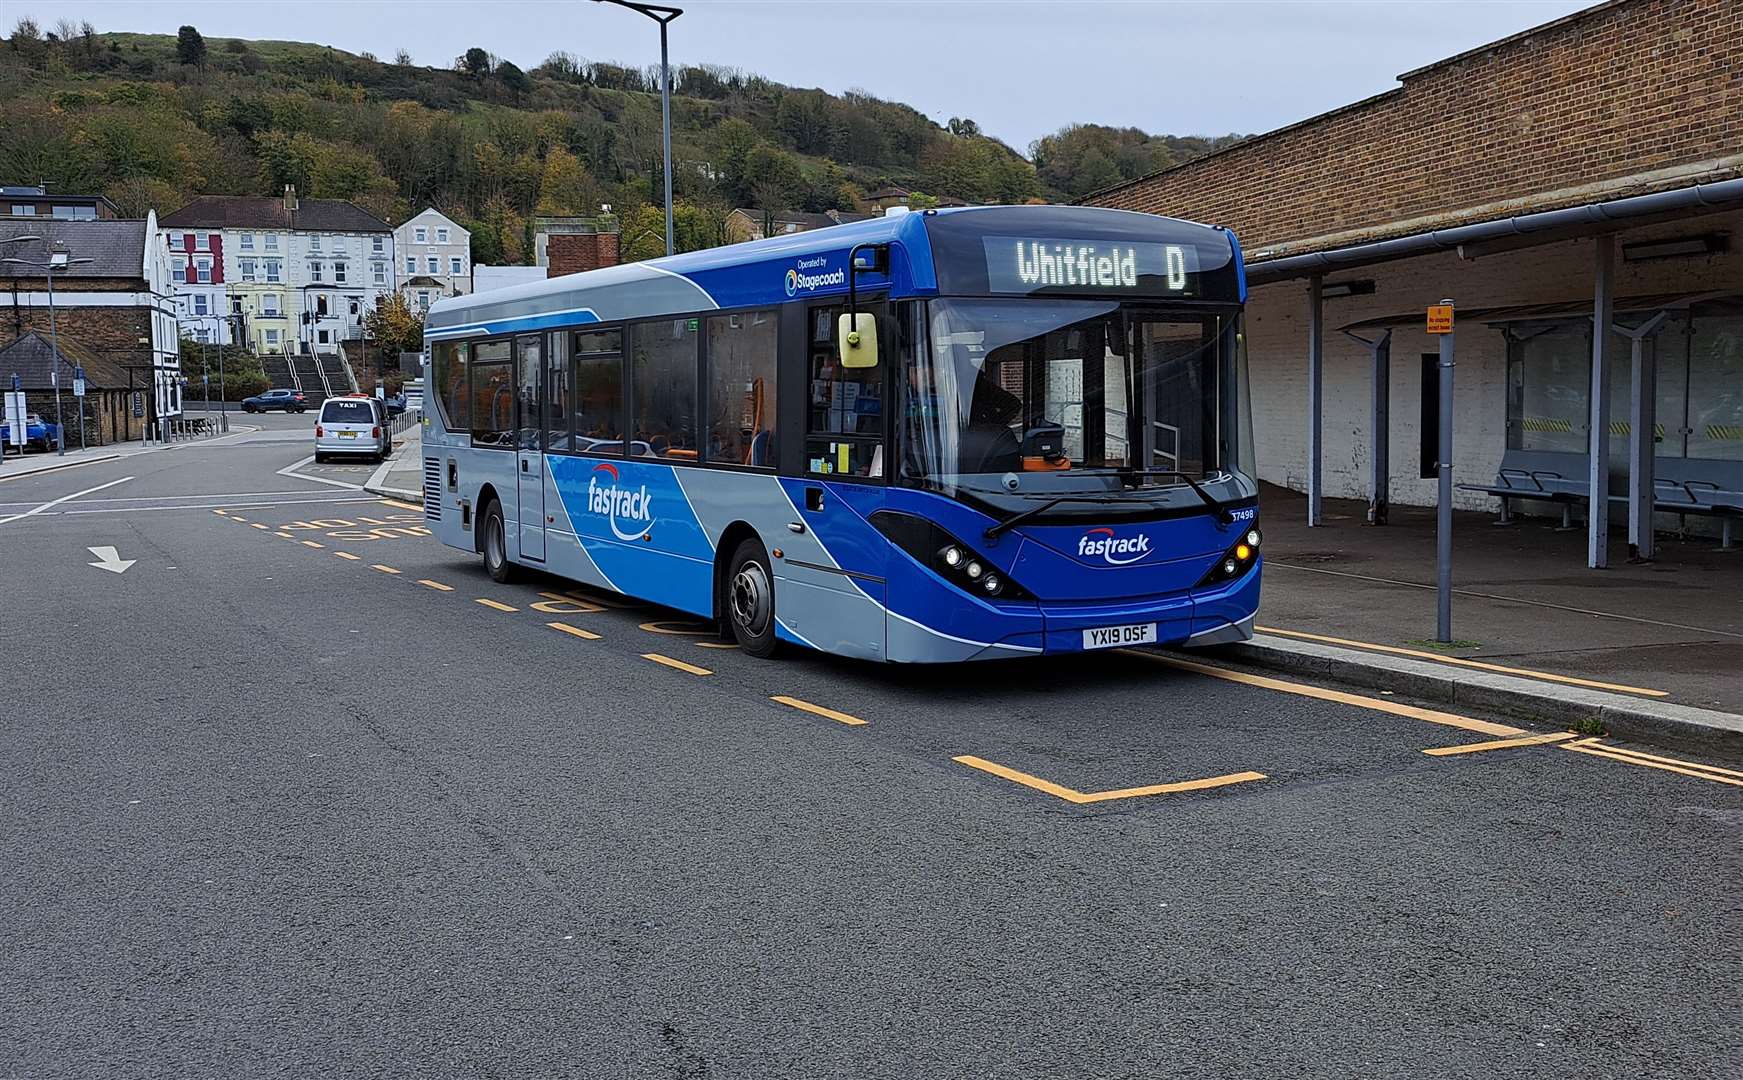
(454, 265)
(273, 269)
(411, 264)
(246, 266)
(203, 270)
(314, 243)
(378, 245)
(272, 337)
(269, 304)
(179, 271)
(423, 235)
(23, 210)
(175, 238)
(424, 299)
(339, 272)
(314, 271)
(380, 271)
(247, 241)
(75, 213)
(202, 242)
(200, 305)
(235, 305)
(434, 264)
(355, 307)
(441, 235)
(272, 241)
(324, 336)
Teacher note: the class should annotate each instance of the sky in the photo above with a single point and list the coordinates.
(1019, 68)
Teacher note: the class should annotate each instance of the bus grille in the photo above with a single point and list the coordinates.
(432, 489)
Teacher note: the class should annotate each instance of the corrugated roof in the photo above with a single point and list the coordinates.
(116, 248)
(32, 359)
(261, 212)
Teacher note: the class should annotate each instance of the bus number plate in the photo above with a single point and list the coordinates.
(1107, 637)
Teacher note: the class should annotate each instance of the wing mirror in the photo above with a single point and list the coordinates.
(856, 340)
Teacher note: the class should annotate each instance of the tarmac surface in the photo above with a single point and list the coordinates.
(300, 792)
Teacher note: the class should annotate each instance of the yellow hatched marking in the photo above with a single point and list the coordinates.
(372, 521)
(678, 628)
(574, 631)
(436, 585)
(677, 664)
(818, 710)
(1652, 761)
(1500, 744)
(313, 544)
(237, 517)
(255, 525)
(1463, 662)
(348, 555)
(715, 645)
(494, 604)
(1433, 716)
(383, 569)
(1082, 798)
(401, 505)
(222, 513)
(286, 535)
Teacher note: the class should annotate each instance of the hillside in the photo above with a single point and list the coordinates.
(152, 120)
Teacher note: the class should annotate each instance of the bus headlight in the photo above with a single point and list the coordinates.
(974, 570)
(933, 547)
(1253, 537)
(952, 556)
(991, 584)
(1242, 556)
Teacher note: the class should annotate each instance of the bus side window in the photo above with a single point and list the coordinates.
(599, 405)
(663, 384)
(741, 388)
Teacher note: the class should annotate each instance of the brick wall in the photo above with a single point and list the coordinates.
(1634, 87)
(571, 253)
(113, 333)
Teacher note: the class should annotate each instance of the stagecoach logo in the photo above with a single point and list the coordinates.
(800, 280)
(1118, 551)
(618, 502)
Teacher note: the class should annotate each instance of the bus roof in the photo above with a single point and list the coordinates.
(813, 264)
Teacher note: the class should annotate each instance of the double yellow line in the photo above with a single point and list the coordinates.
(1598, 748)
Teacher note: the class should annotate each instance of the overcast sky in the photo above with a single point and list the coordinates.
(1020, 68)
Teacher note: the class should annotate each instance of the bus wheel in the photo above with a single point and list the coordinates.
(496, 546)
(750, 600)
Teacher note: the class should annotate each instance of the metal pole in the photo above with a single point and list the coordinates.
(223, 405)
(1443, 517)
(1315, 399)
(666, 123)
(54, 342)
(1642, 438)
(81, 398)
(1598, 432)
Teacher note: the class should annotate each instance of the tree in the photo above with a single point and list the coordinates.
(190, 47)
(514, 80)
(963, 127)
(475, 62)
(403, 58)
(394, 326)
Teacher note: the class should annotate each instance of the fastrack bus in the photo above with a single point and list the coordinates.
(931, 436)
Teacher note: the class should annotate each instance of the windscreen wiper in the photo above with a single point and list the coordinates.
(1014, 520)
(1222, 512)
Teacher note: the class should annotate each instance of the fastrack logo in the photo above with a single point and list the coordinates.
(618, 502)
(1103, 542)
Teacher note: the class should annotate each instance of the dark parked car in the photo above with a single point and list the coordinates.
(395, 404)
(288, 400)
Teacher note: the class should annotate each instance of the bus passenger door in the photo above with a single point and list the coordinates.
(529, 375)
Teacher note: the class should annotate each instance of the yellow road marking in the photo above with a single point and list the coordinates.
(371, 520)
(1463, 662)
(806, 706)
(678, 664)
(665, 628)
(716, 645)
(1500, 744)
(438, 586)
(586, 635)
(237, 517)
(558, 604)
(312, 543)
(222, 513)
(255, 525)
(348, 555)
(1433, 716)
(1082, 798)
(494, 604)
(1653, 761)
(383, 569)
(286, 535)
(401, 505)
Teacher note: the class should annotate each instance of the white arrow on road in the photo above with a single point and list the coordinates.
(109, 559)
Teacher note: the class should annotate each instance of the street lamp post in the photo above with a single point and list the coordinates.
(58, 259)
(662, 15)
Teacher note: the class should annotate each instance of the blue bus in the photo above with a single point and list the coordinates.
(933, 436)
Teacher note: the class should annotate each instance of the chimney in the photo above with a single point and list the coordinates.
(290, 196)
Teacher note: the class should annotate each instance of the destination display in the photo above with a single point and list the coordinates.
(1032, 265)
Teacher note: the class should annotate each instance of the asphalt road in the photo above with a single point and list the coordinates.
(284, 798)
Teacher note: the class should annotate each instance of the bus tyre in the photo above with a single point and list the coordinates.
(495, 545)
(750, 600)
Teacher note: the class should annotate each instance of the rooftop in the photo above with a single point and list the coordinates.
(116, 247)
(263, 212)
(31, 358)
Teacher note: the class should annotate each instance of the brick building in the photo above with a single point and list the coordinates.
(111, 391)
(1590, 168)
(118, 308)
(569, 245)
(37, 201)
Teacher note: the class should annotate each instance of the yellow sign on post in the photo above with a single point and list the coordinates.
(1440, 319)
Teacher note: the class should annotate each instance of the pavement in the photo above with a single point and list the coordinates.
(302, 792)
(401, 476)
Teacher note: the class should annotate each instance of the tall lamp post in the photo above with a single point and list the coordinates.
(663, 15)
(58, 259)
